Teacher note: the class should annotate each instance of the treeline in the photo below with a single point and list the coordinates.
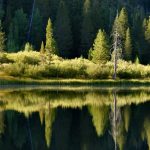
(76, 25)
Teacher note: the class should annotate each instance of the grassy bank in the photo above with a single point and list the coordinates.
(33, 68)
(8, 80)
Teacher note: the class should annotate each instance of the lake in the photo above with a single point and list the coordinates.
(74, 118)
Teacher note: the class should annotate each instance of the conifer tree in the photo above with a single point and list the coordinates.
(147, 31)
(122, 23)
(63, 31)
(50, 46)
(2, 39)
(100, 52)
(12, 45)
(18, 31)
(37, 29)
(42, 49)
(86, 29)
(128, 46)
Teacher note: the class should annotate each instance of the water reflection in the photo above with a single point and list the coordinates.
(74, 119)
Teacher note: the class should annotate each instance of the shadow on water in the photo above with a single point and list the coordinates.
(75, 119)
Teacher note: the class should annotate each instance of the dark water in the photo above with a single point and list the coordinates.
(73, 118)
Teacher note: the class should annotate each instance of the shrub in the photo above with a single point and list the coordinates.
(34, 71)
(99, 71)
(15, 69)
(4, 59)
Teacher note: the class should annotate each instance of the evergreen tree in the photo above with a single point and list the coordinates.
(100, 52)
(42, 49)
(76, 12)
(86, 29)
(50, 46)
(18, 31)
(121, 23)
(128, 46)
(63, 31)
(96, 15)
(12, 45)
(37, 29)
(147, 31)
(2, 39)
(145, 54)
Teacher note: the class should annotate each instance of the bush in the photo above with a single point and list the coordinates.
(15, 69)
(99, 71)
(34, 71)
(32, 57)
(4, 59)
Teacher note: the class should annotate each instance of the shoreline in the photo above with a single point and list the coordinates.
(74, 82)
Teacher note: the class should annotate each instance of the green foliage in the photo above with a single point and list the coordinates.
(18, 30)
(63, 32)
(28, 47)
(30, 64)
(121, 23)
(86, 29)
(147, 31)
(4, 58)
(42, 49)
(50, 46)
(2, 39)
(128, 46)
(12, 45)
(101, 50)
(37, 32)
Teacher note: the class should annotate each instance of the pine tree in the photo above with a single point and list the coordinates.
(18, 31)
(128, 46)
(63, 31)
(42, 49)
(50, 46)
(2, 39)
(37, 29)
(121, 23)
(12, 45)
(86, 29)
(100, 52)
(147, 31)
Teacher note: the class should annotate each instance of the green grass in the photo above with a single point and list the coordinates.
(8, 80)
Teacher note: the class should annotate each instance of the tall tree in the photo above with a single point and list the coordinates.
(2, 39)
(128, 46)
(63, 32)
(145, 51)
(37, 29)
(12, 45)
(86, 29)
(122, 23)
(50, 46)
(100, 52)
(18, 29)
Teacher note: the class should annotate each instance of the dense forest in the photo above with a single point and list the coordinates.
(76, 25)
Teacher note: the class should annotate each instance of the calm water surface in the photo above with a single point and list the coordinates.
(74, 118)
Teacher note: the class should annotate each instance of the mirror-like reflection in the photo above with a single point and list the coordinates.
(66, 118)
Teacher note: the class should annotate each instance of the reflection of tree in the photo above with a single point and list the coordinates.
(118, 127)
(147, 130)
(49, 119)
(2, 124)
(127, 115)
(99, 118)
(41, 115)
